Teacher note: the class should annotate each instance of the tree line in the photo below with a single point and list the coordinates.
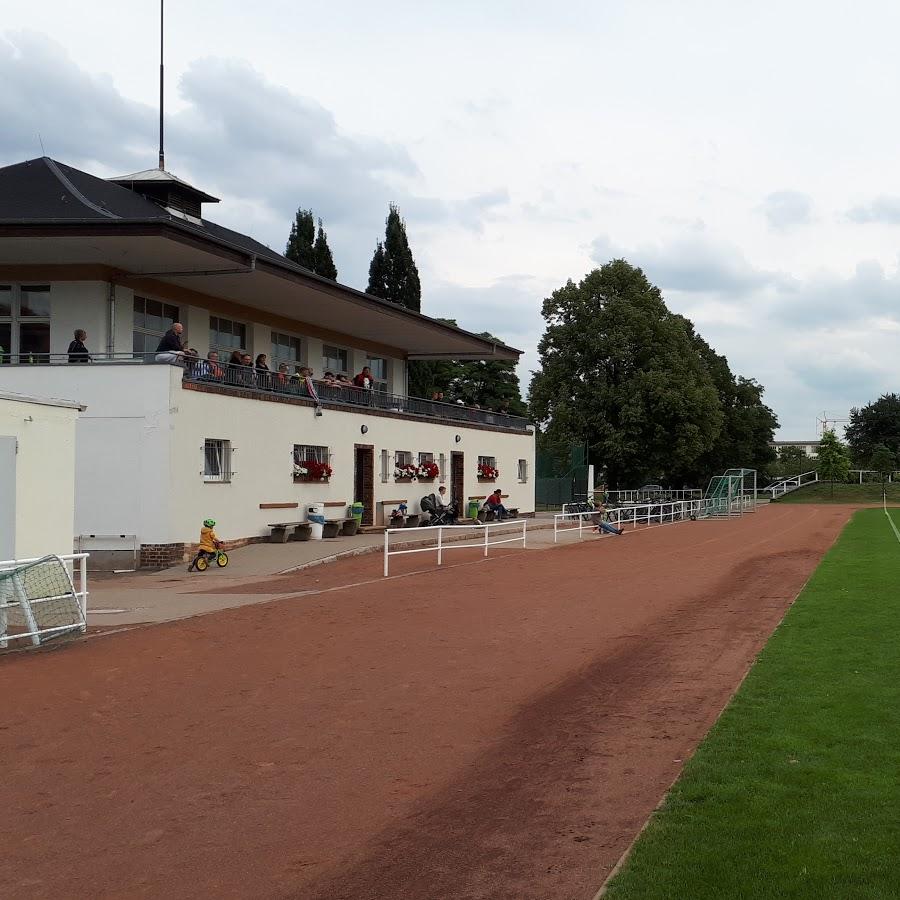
(619, 372)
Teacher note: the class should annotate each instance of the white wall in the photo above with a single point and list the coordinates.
(263, 435)
(122, 454)
(79, 304)
(45, 475)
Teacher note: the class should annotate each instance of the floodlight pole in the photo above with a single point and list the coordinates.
(162, 153)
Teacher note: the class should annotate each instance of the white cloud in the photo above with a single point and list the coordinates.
(785, 209)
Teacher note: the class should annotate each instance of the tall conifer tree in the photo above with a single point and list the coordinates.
(300, 243)
(393, 274)
(323, 261)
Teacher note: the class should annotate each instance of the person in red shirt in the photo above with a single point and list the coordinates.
(364, 379)
(495, 503)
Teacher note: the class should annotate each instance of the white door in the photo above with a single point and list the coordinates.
(7, 497)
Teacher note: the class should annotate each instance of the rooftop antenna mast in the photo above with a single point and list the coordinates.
(162, 153)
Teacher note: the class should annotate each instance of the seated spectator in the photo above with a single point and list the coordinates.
(191, 361)
(329, 378)
(495, 504)
(438, 396)
(364, 379)
(599, 518)
(343, 380)
(445, 503)
(262, 372)
(209, 368)
(78, 353)
(170, 349)
(281, 379)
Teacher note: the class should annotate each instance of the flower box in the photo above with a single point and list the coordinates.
(407, 472)
(428, 471)
(311, 470)
(488, 473)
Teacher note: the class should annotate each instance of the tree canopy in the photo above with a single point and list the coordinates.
(393, 274)
(622, 373)
(876, 423)
(833, 461)
(309, 248)
(882, 460)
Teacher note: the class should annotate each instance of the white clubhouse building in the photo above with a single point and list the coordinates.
(161, 447)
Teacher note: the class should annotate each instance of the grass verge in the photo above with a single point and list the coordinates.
(820, 492)
(795, 791)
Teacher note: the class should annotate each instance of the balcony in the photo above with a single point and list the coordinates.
(245, 381)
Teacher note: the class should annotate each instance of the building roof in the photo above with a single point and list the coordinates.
(41, 401)
(161, 176)
(82, 219)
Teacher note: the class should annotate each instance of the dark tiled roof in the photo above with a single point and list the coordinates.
(43, 190)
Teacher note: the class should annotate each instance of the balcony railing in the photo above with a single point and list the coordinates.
(267, 384)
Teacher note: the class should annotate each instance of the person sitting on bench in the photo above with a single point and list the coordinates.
(495, 504)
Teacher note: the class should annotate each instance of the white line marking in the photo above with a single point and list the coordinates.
(896, 532)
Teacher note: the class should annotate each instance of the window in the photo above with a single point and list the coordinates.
(225, 335)
(24, 323)
(152, 319)
(309, 453)
(523, 470)
(487, 461)
(217, 460)
(334, 359)
(487, 467)
(403, 458)
(385, 466)
(379, 372)
(426, 457)
(285, 349)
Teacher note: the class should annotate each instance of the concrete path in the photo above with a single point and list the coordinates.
(138, 597)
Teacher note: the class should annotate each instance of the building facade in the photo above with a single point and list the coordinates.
(37, 476)
(163, 446)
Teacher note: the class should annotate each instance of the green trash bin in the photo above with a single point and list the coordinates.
(356, 512)
(472, 509)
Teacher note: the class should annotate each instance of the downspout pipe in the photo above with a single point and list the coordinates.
(111, 320)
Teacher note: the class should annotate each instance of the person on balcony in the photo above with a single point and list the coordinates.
(364, 379)
(282, 378)
(209, 368)
(78, 353)
(262, 371)
(170, 349)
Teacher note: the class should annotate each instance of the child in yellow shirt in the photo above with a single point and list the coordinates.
(209, 542)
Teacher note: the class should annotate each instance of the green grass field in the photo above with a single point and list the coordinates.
(795, 793)
(820, 492)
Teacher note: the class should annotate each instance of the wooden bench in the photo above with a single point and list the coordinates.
(280, 530)
(384, 504)
(488, 515)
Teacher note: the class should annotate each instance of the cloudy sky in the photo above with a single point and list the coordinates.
(744, 156)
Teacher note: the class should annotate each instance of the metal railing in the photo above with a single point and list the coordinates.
(441, 545)
(80, 590)
(268, 383)
(779, 488)
(640, 494)
(647, 515)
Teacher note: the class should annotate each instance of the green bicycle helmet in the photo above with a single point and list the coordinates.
(209, 523)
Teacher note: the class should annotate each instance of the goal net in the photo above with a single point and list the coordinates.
(38, 602)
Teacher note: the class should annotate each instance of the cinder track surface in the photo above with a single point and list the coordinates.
(495, 729)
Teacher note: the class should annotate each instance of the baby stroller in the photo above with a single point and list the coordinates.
(438, 515)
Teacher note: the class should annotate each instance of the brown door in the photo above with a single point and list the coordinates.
(364, 482)
(457, 481)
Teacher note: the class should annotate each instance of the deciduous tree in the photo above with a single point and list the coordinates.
(833, 459)
(621, 372)
(876, 423)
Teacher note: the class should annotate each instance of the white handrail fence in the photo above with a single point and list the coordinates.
(76, 564)
(445, 538)
(647, 515)
(791, 484)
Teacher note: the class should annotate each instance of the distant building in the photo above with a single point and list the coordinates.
(810, 448)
